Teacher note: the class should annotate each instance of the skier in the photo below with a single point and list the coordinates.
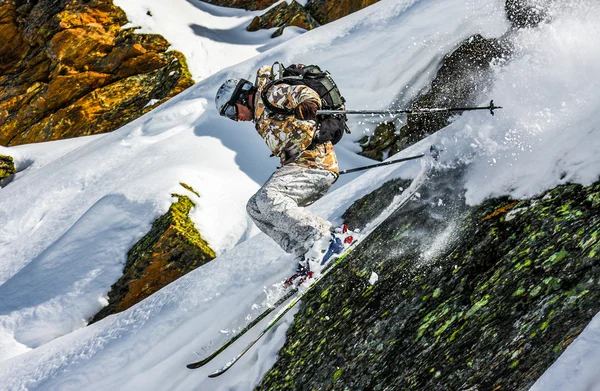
(307, 171)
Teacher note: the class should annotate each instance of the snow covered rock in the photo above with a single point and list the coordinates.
(524, 13)
(459, 82)
(171, 249)
(284, 15)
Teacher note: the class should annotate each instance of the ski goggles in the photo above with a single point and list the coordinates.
(240, 95)
(230, 111)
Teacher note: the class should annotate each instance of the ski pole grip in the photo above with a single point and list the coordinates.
(492, 107)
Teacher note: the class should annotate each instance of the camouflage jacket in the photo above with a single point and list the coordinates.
(286, 136)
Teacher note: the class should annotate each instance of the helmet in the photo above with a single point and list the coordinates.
(231, 92)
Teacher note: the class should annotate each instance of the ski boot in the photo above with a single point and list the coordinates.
(341, 239)
(302, 273)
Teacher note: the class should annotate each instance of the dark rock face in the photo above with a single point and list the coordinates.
(468, 298)
(171, 249)
(68, 69)
(284, 15)
(463, 75)
(524, 13)
(7, 166)
(326, 11)
(370, 206)
(250, 5)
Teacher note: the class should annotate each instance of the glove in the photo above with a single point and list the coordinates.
(307, 110)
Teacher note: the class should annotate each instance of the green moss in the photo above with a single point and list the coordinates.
(172, 248)
(7, 166)
(519, 292)
(188, 187)
(535, 291)
(488, 303)
(448, 323)
(337, 375)
(520, 266)
(547, 321)
(477, 306)
(552, 282)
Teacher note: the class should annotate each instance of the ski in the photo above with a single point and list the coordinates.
(290, 293)
(291, 305)
(412, 191)
(250, 325)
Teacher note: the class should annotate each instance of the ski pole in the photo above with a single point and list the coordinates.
(491, 107)
(382, 164)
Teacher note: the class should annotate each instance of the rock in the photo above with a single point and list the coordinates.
(171, 249)
(491, 308)
(314, 14)
(459, 82)
(283, 15)
(325, 11)
(524, 13)
(7, 166)
(370, 206)
(377, 146)
(71, 70)
(249, 5)
(463, 75)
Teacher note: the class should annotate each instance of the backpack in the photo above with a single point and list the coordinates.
(329, 127)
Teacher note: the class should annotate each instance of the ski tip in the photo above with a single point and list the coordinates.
(196, 365)
(217, 373)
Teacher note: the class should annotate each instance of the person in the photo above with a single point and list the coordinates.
(307, 171)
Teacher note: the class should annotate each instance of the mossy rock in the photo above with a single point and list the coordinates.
(71, 70)
(489, 306)
(378, 146)
(459, 82)
(171, 249)
(325, 11)
(250, 5)
(371, 205)
(283, 15)
(7, 166)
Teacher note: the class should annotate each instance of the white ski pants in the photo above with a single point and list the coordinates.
(278, 208)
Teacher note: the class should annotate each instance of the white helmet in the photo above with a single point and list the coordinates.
(231, 92)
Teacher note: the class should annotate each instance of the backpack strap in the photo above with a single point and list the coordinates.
(271, 107)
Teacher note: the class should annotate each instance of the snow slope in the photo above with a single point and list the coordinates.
(68, 219)
(211, 37)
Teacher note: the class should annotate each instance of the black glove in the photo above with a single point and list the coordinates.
(307, 110)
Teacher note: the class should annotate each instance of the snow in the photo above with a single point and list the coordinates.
(210, 37)
(76, 206)
(549, 131)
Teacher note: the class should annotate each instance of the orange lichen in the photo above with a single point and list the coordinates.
(502, 210)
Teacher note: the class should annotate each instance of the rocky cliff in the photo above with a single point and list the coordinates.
(459, 82)
(69, 69)
(172, 248)
(468, 298)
